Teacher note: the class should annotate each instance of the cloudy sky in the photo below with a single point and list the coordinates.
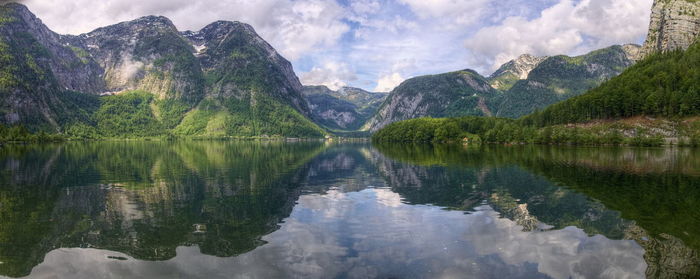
(376, 44)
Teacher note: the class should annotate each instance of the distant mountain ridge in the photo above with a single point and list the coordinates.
(346, 109)
(519, 87)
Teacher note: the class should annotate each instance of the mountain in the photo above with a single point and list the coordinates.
(346, 109)
(146, 54)
(223, 80)
(517, 69)
(446, 95)
(250, 89)
(675, 24)
(38, 74)
(561, 77)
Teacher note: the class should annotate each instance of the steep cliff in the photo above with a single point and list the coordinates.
(38, 74)
(675, 24)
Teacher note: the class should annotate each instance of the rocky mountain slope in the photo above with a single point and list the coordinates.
(221, 80)
(675, 24)
(38, 74)
(250, 89)
(346, 109)
(144, 54)
(517, 69)
(561, 77)
(445, 95)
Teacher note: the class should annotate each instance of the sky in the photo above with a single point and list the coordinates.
(377, 44)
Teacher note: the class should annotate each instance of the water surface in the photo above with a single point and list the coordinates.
(318, 210)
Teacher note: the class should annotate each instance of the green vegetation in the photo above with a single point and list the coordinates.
(127, 114)
(664, 84)
(508, 131)
(265, 117)
(21, 134)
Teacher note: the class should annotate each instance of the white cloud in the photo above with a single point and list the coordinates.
(451, 11)
(333, 75)
(566, 28)
(388, 82)
(295, 28)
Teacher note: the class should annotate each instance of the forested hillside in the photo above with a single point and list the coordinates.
(664, 84)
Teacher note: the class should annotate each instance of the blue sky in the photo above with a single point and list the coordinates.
(376, 44)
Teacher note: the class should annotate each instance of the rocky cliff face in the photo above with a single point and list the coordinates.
(146, 54)
(505, 77)
(675, 24)
(446, 95)
(37, 72)
(347, 108)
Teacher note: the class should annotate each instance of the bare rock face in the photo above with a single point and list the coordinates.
(505, 77)
(633, 52)
(147, 54)
(675, 24)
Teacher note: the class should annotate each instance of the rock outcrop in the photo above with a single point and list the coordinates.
(517, 69)
(675, 24)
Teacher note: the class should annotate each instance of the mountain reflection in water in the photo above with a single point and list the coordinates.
(315, 210)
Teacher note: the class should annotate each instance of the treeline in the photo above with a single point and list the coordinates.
(664, 84)
(501, 130)
(22, 134)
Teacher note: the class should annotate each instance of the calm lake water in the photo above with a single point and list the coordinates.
(318, 210)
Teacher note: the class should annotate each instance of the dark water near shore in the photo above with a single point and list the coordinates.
(317, 210)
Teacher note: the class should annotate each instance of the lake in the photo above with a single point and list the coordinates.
(214, 209)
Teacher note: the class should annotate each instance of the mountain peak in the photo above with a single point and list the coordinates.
(633, 51)
(514, 70)
(16, 6)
